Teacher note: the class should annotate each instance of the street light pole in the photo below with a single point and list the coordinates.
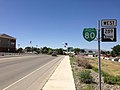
(9, 45)
(18, 46)
(31, 46)
(63, 48)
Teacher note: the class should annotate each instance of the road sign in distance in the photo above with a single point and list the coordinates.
(89, 34)
(109, 23)
(108, 34)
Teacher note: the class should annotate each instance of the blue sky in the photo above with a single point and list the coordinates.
(52, 22)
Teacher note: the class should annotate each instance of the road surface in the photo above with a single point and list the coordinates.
(27, 72)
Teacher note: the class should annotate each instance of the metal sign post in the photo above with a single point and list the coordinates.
(99, 61)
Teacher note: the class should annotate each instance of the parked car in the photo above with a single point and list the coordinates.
(116, 59)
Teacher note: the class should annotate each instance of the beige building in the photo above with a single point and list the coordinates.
(7, 43)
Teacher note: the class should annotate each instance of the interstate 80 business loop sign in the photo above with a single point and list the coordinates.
(89, 34)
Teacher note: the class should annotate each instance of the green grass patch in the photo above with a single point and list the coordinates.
(110, 67)
(108, 78)
(89, 87)
(109, 70)
(112, 80)
(72, 59)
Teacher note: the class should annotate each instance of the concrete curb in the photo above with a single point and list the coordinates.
(62, 78)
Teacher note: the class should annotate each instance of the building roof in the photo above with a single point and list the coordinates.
(6, 36)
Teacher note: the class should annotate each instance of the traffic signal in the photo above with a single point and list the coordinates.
(66, 44)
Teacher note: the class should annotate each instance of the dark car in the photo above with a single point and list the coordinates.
(54, 54)
(116, 59)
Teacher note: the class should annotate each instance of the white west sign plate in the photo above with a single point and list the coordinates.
(109, 23)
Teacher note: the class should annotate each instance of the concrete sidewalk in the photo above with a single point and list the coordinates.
(62, 78)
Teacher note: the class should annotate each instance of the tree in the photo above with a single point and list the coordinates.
(37, 50)
(20, 50)
(59, 51)
(45, 50)
(28, 49)
(113, 54)
(90, 51)
(105, 52)
(108, 52)
(50, 50)
(82, 50)
(116, 50)
(102, 52)
(76, 50)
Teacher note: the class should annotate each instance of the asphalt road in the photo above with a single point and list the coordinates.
(27, 72)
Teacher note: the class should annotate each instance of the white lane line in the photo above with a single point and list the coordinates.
(14, 58)
(17, 57)
(26, 76)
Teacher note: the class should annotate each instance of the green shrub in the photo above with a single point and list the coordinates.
(85, 77)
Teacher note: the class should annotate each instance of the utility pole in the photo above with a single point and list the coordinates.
(66, 45)
(63, 48)
(31, 46)
(99, 61)
(18, 48)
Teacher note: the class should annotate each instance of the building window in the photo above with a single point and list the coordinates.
(12, 43)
